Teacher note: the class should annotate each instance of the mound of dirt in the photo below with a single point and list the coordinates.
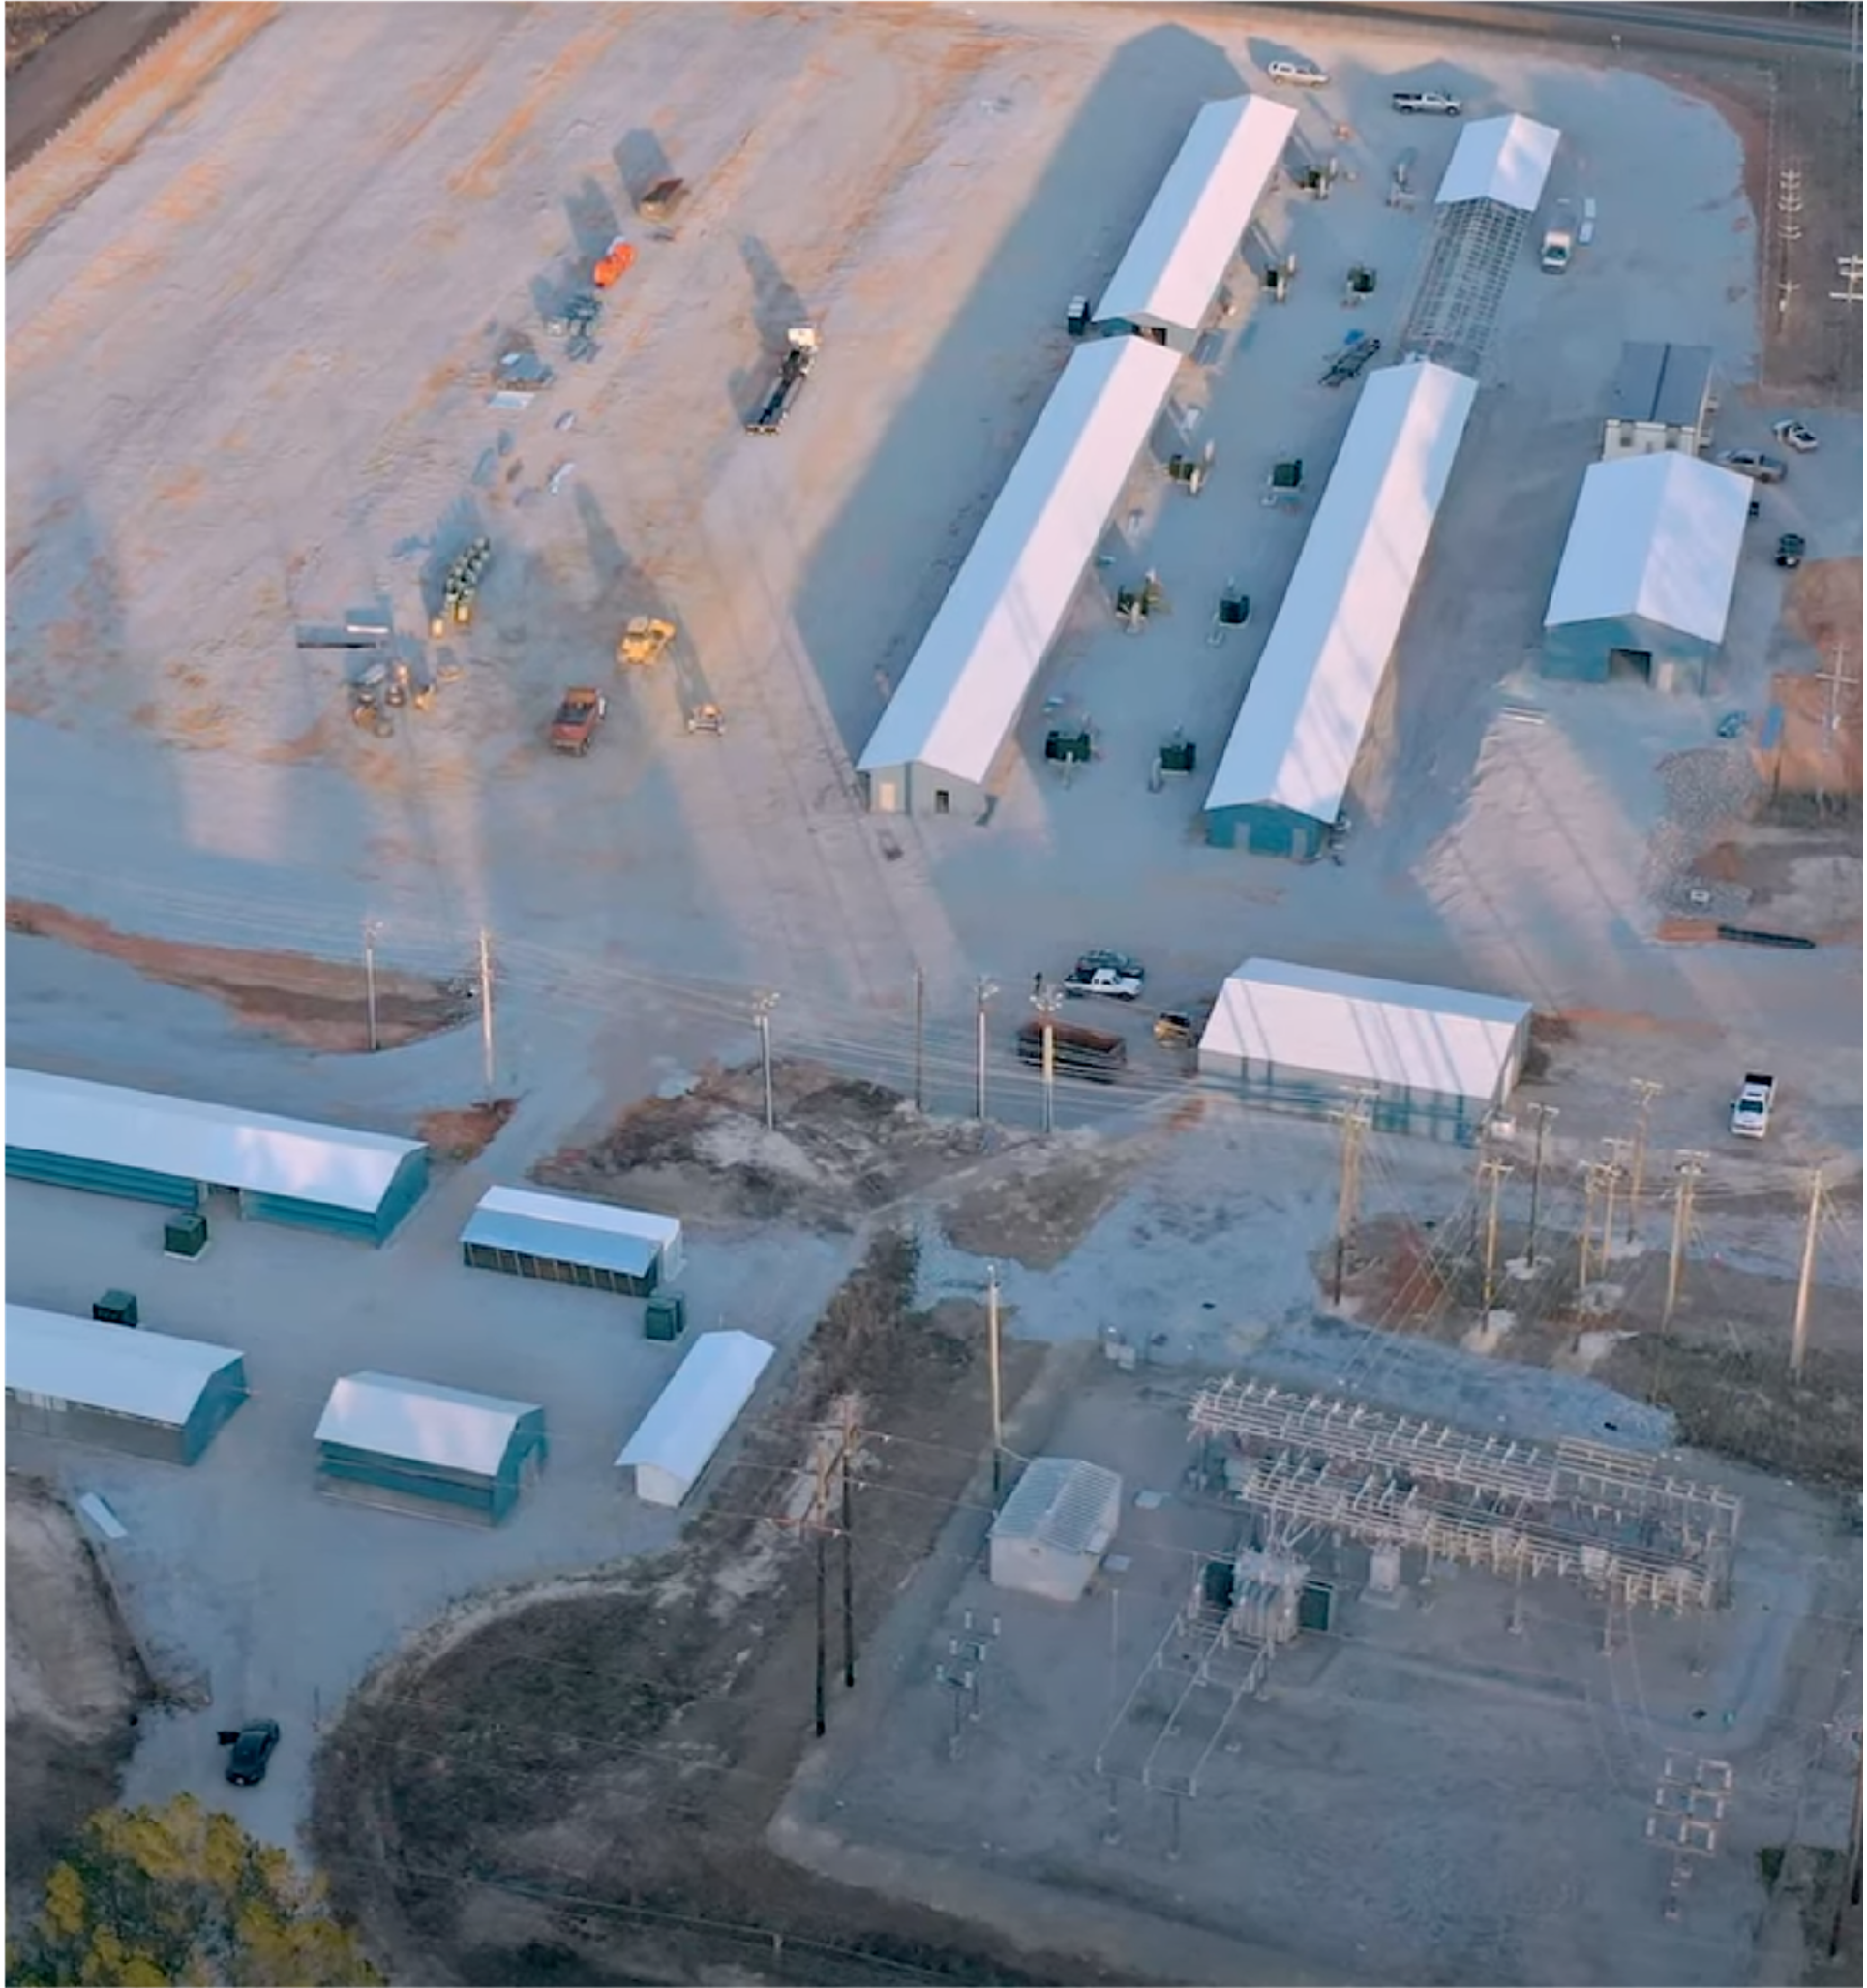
(1038, 1204)
(463, 1135)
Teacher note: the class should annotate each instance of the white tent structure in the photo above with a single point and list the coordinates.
(1166, 284)
(557, 1239)
(1281, 780)
(960, 696)
(1438, 1061)
(676, 1440)
(1505, 159)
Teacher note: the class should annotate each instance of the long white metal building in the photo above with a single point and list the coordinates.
(1285, 771)
(677, 1440)
(960, 696)
(1438, 1061)
(1502, 159)
(1166, 282)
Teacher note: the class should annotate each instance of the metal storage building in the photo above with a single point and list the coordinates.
(1050, 1534)
(563, 1240)
(960, 696)
(147, 1147)
(1437, 1061)
(1285, 771)
(437, 1452)
(1505, 159)
(1644, 586)
(1165, 282)
(676, 1439)
(117, 1387)
(1662, 400)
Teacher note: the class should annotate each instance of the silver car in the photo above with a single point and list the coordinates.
(1755, 464)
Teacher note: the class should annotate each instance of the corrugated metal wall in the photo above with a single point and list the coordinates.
(103, 1177)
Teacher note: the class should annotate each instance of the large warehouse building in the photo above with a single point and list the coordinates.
(1644, 588)
(1434, 1062)
(1662, 400)
(437, 1452)
(146, 1147)
(960, 696)
(1285, 769)
(1167, 281)
(118, 1388)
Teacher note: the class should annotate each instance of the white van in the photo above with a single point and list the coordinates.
(1299, 75)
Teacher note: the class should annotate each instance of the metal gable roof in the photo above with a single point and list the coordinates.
(421, 1422)
(693, 1412)
(1661, 383)
(1659, 537)
(1502, 159)
(1062, 1502)
(149, 1374)
(625, 1240)
(1302, 721)
(1438, 1039)
(961, 694)
(1192, 228)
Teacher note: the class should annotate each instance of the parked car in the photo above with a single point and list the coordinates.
(1304, 75)
(253, 1747)
(1794, 435)
(1117, 962)
(1426, 104)
(1755, 464)
(1789, 549)
(1102, 980)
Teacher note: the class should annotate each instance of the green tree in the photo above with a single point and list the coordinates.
(153, 1896)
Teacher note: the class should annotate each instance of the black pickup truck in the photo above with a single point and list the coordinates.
(798, 359)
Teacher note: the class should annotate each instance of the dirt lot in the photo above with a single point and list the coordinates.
(571, 1784)
(72, 1684)
(465, 1135)
(312, 1004)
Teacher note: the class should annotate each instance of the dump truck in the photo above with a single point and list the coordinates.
(1076, 1051)
(612, 264)
(1750, 1111)
(580, 713)
(799, 357)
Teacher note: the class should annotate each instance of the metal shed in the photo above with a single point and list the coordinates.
(117, 1387)
(1282, 778)
(1644, 588)
(1662, 400)
(1505, 159)
(1436, 1062)
(563, 1240)
(960, 696)
(676, 1439)
(437, 1452)
(1051, 1533)
(1166, 284)
(149, 1147)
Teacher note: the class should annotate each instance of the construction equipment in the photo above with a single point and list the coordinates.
(1399, 183)
(1360, 286)
(1076, 319)
(1070, 748)
(580, 712)
(613, 264)
(1317, 179)
(644, 640)
(1356, 353)
(1279, 278)
(1189, 473)
(799, 357)
(708, 717)
(1179, 756)
(1135, 604)
(1284, 484)
(1234, 611)
(663, 201)
(460, 587)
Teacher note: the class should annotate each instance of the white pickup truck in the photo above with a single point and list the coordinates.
(1750, 1113)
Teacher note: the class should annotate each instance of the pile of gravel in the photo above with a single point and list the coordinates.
(1707, 791)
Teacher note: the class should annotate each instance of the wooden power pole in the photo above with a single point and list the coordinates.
(1647, 1090)
(1805, 1276)
(836, 1447)
(1354, 1125)
(1683, 1190)
(1493, 1170)
(1543, 1113)
(998, 1398)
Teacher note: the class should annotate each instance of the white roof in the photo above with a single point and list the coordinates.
(961, 693)
(1193, 229)
(1062, 1502)
(201, 1142)
(96, 1365)
(693, 1412)
(1300, 725)
(1363, 1031)
(626, 1240)
(1659, 537)
(421, 1423)
(1502, 159)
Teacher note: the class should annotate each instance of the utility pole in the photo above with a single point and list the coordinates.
(1683, 1193)
(1837, 679)
(845, 1449)
(1354, 1123)
(830, 1468)
(762, 1006)
(486, 1011)
(1591, 1186)
(997, 1399)
(983, 992)
(1850, 1892)
(1047, 1004)
(370, 930)
(1647, 1090)
(1799, 1330)
(1493, 1170)
(1612, 1170)
(919, 1040)
(1544, 1114)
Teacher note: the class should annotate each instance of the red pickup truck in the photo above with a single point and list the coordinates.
(577, 717)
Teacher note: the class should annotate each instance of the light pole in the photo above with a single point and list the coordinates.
(762, 1006)
(370, 931)
(1544, 1114)
(1046, 1006)
(981, 994)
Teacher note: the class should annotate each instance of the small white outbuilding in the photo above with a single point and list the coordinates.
(676, 1439)
(1051, 1533)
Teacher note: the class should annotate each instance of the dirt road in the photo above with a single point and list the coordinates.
(75, 67)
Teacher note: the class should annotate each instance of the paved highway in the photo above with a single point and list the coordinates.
(1833, 34)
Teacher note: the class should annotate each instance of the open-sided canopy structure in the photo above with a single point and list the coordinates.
(418, 1446)
(559, 1240)
(676, 1440)
(1502, 159)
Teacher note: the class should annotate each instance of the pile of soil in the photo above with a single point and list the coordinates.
(462, 1135)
